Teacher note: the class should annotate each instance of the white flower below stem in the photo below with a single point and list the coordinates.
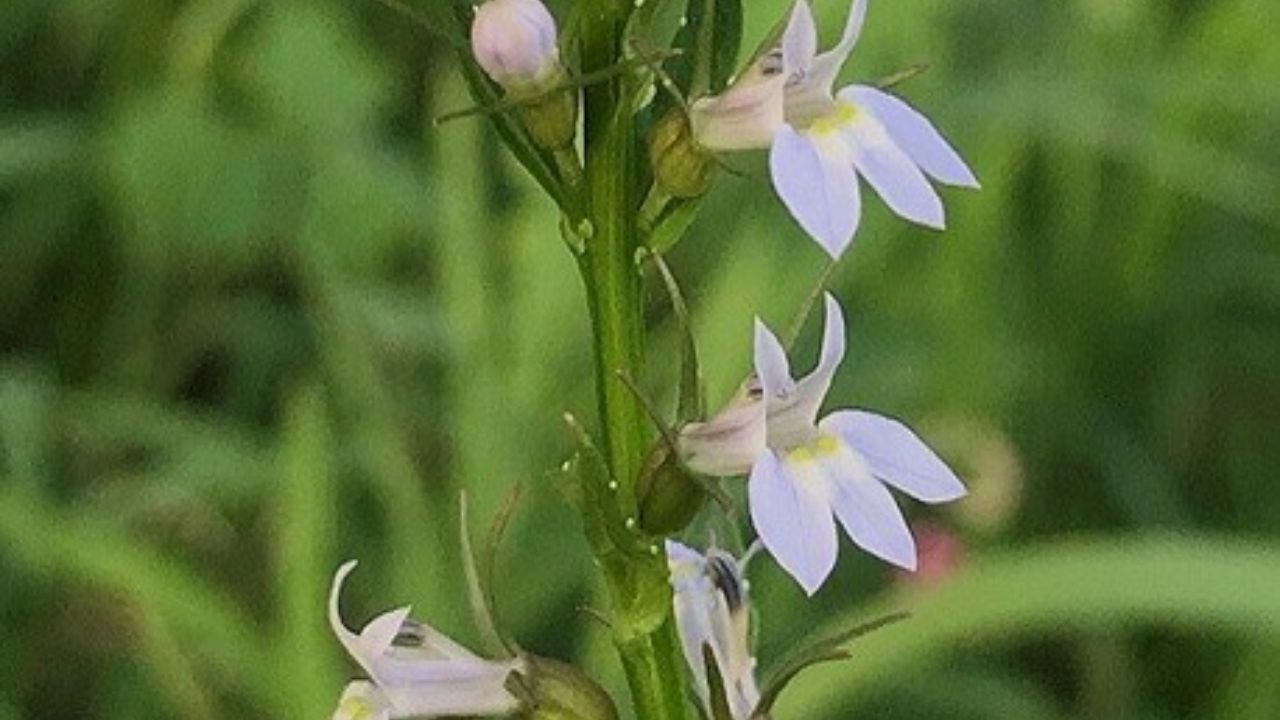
(514, 41)
(811, 473)
(415, 670)
(824, 142)
(712, 610)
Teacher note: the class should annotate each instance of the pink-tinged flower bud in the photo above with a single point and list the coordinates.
(514, 41)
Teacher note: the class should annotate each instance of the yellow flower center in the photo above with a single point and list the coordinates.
(841, 116)
(355, 708)
(820, 447)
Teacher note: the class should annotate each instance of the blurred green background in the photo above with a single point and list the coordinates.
(258, 316)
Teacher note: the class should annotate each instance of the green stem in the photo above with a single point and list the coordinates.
(644, 632)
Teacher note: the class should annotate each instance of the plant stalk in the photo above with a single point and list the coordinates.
(643, 628)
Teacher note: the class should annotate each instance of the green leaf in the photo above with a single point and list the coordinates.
(479, 592)
(589, 484)
(674, 222)
(1211, 583)
(656, 22)
(830, 649)
(306, 502)
(221, 641)
(709, 44)
(497, 532)
(716, 26)
(692, 404)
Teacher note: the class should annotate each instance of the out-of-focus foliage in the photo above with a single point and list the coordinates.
(258, 315)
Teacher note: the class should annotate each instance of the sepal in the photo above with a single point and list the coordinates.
(830, 649)
(589, 485)
(681, 167)
(479, 570)
(670, 496)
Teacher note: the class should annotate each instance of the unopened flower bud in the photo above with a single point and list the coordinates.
(681, 166)
(669, 497)
(552, 690)
(514, 41)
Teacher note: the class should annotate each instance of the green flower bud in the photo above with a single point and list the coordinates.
(669, 497)
(552, 690)
(681, 167)
(552, 116)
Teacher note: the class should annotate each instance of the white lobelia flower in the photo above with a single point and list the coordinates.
(808, 474)
(831, 139)
(826, 140)
(712, 610)
(415, 670)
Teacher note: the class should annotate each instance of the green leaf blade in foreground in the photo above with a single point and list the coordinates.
(1225, 585)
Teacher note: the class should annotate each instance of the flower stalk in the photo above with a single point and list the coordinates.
(644, 631)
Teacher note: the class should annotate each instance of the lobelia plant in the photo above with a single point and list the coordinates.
(620, 121)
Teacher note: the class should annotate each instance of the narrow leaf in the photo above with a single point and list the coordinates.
(673, 224)
(478, 595)
(692, 404)
(489, 561)
(714, 34)
(591, 482)
(827, 650)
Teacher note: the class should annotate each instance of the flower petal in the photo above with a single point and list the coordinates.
(694, 603)
(866, 508)
(790, 419)
(379, 633)
(747, 114)
(469, 690)
(772, 368)
(728, 443)
(706, 616)
(790, 511)
(827, 66)
(813, 174)
(799, 40)
(889, 170)
(896, 455)
(818, 382)
(353, 643)
(913, 132)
